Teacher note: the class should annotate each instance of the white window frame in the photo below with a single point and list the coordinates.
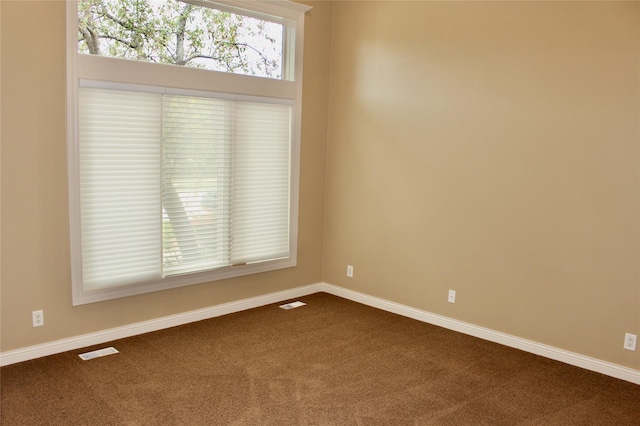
(128, 72)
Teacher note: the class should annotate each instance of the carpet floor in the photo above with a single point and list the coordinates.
(331, 362)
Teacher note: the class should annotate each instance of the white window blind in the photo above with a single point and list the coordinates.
(196, 179)
(177, 184)
(261, 167)
(119, 135)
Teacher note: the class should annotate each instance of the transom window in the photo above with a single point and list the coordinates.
(183, 142)
(179, 33)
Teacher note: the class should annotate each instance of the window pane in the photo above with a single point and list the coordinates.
(196, 181)
(261, 191)
(173, 32)
(119, 148)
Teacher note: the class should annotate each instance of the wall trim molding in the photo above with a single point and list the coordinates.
(77, 342)
(571, 358)
(72, 343)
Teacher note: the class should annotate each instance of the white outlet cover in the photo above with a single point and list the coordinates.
(38, 318)
(350, 271)
(630, 341)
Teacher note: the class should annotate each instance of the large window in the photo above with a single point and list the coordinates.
(183, 142)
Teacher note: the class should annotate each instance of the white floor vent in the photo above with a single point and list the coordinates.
(292, 305)
(98, 353)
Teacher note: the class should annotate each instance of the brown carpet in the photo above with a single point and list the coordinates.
(332, 362)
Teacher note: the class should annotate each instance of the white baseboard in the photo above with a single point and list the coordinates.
(58, 346)
(63, 345)
(546, 351)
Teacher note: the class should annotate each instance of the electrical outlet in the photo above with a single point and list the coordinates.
(38, 318)
(630, 341)
(452, 296)
(349, 271)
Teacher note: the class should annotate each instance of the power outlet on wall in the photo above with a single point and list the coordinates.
(350, 271)
(452, 296)
(38, 318)
(630, 341)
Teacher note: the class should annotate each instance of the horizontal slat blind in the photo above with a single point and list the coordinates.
(174, 184)
(119, 150)
(196, 181)
(261, 173)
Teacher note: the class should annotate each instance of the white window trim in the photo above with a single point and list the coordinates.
(232, 83)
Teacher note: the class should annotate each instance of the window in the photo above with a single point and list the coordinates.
(181, 33)
(183, 142)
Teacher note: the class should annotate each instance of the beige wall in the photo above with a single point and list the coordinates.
(491, 148)
(35, 264)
